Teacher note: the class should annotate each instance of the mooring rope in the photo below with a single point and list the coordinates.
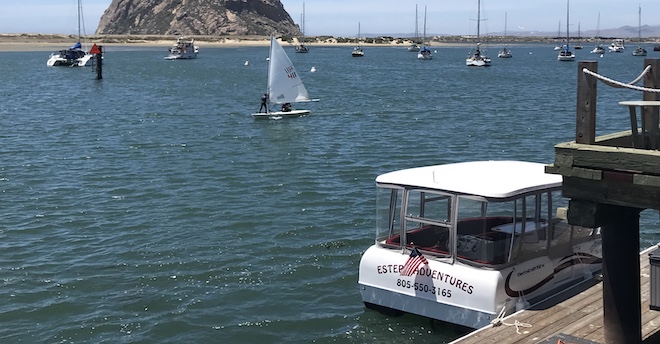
(499, 320)
(619, 84)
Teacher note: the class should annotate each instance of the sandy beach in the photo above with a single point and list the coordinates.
(51, 42)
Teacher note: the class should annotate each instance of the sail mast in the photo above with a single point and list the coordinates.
(568, 37)
(79, 10)
(478, 18)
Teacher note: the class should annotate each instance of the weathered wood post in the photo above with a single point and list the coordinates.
(650, 113)
(585, 127)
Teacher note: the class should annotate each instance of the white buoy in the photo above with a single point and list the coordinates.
(601, 55)
(313, 69)
(247, 63)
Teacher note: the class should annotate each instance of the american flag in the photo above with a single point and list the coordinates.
(414, 261)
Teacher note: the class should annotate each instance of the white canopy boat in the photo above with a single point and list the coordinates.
(284, 86)
(493, 236)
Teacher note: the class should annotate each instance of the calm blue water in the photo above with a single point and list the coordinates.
(150, 207)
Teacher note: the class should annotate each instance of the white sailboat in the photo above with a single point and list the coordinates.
(425, 53)
(505, 52)
(559, 47)
(598, 49)
(284, 86)
(357, 51)
(74, 56)
(566, 54)
(578, 45)
(477, 59)
(413, 48)
(639, 51)
(302, 48)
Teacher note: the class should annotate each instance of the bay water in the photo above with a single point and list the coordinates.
(150, 207)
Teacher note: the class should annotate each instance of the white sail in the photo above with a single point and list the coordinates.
(284, 84)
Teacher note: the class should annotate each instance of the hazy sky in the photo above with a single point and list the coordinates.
(341, 17)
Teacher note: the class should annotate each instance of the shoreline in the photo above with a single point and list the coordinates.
(53, 42)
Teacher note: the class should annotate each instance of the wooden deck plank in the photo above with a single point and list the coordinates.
(580, 316)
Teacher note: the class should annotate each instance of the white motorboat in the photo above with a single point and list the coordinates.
(467, 242)
(598, 49)
(617, 46)
(74, 56)
(284, 86)
(478, 59)
(183, 49)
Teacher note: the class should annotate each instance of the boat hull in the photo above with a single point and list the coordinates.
(477, 62)
(281, 114)
(464, 294)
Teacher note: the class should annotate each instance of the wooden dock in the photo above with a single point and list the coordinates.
(581, 316)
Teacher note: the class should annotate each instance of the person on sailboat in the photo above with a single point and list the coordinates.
(286, 107)
(264, 102)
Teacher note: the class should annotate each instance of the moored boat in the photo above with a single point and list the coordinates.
(183, 49)
(75, 56)
(617, 46)
(478, 58)
(467, 242)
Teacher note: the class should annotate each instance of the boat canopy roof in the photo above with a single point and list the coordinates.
(490, 179)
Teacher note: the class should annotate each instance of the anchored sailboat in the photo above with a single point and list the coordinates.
(566, 54)
(284, 86)
(302, 48)
(639, 51)
(357, 51)
(477, 59)
(505, 52)
(74, 56)
(425, 53)
(413, 48)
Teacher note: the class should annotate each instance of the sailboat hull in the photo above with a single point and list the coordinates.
(281, 114)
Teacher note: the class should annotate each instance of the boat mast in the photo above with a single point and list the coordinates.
(302, 19)
(416, 26)
(424, 39)
(79, 15)
(639, 24)
(478, 18)
(567, 35)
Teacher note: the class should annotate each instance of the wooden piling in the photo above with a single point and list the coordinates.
(585, 127)
(99, 64)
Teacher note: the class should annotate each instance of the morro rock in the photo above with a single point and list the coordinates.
(196, 17)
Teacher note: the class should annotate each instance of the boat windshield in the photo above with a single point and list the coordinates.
(476, 230)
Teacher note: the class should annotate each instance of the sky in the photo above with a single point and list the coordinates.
(342, 17)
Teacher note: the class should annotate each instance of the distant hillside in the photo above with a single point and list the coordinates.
(196, 17)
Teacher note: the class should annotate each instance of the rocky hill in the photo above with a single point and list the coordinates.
(196, 17)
